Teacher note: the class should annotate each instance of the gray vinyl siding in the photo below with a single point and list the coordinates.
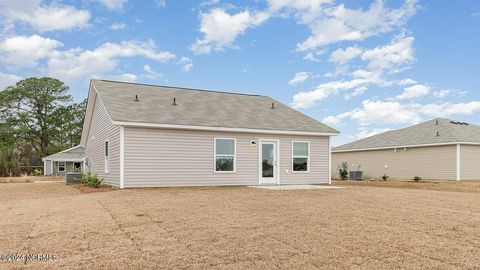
(102, 130)
(436, 162)
(161, 157)
(470, 162)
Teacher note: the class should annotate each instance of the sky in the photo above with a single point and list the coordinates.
(362, 67)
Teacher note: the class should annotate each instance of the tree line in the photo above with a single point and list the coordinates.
(37, 118)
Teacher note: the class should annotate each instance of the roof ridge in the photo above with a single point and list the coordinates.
(182, 88)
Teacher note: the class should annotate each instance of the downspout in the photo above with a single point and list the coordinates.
(459, 151)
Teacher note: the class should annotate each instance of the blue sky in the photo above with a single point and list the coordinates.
(361, 68)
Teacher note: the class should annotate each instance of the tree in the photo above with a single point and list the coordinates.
(68, 122)
(31, 104)
(37, 118)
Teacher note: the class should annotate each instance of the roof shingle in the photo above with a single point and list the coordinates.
(436, 131)
(201, 108)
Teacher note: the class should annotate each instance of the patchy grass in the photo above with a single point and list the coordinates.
(357, 227)
(30, 179)
(462, 186)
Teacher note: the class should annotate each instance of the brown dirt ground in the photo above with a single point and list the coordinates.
(355, 227)
(463, 186)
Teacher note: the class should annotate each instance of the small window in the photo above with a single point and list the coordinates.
(61, 166)
(300, 156)
(225, 155)
(106, 157)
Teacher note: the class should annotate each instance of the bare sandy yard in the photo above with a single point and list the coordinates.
(355, 227)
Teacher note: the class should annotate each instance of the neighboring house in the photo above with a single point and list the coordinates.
(69, 160)
(437, 149)
(138, 135)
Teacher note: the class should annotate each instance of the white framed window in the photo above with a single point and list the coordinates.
(225, 150)
(61, 166)
(106, 156)
(300, 156)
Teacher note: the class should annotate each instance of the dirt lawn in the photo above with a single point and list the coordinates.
(355, 227)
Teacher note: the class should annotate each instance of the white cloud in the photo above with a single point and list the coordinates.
(306, 99)
(342, 56)
(313, 56)
(357, 92)
(118, 26)
(475, 15)
(44, 17)
(441, 93)
(161, 3)
(415, 91)
(334, 24)
(394, 56)
(186, 63)
(299, 77)
(407, 81)
(385, 112)
(220, 29)
(125, 77)
(113, 4)
(77, 64)
(150, 73)
(8, 80)
(334, 120)
(25, 51)
(365, 132)
(378, 113)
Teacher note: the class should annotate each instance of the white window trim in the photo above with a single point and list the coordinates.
(215, 155)
(308, 157)
(105, 158)
(64, 166)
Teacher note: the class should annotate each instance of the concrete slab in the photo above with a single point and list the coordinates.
(295, 187)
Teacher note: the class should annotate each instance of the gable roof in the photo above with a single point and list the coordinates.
(203, 108)
(449, 132)
(74, 153)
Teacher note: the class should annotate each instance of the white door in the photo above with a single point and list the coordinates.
(268, 162)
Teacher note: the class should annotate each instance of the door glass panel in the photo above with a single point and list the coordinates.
(267, 160)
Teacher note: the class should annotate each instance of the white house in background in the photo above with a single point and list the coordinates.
(69, 160)
(138, 135)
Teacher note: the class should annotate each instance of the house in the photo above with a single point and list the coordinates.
(69, 160)
(138, 135)
(439, 149)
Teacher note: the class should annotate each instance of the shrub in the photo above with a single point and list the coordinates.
(37, 172)
(90, 180)
(417, 178)
(343, 171)
(385, 177)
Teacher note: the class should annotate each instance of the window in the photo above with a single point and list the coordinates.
(225, 149)
(61, 166)
(106, 156)
(300, 156)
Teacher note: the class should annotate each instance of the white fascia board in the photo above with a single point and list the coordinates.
(222, 129)
(66, 150)
(67, 159)
(403, 146)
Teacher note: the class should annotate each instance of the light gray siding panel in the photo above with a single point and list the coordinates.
(101, 130)
(160, 157)
(48, 167)
(318, 173)
(470, 162)
(436, 163)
